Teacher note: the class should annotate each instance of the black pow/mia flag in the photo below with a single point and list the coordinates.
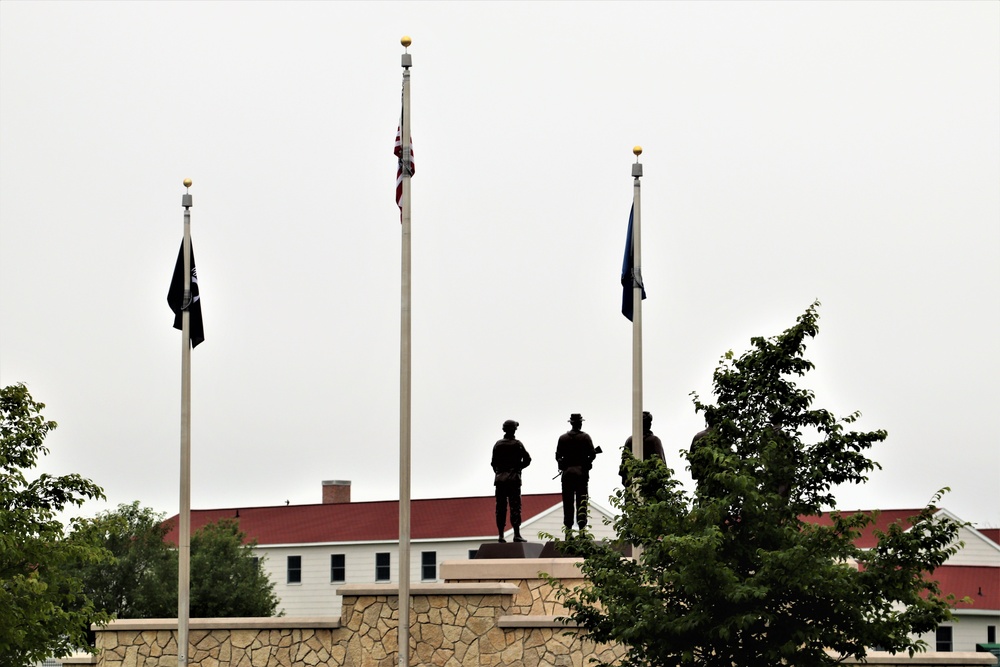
(175, 298)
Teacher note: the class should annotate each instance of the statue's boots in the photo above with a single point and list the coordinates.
(517, 535)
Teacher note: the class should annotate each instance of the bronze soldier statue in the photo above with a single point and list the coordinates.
(651, 445)
(575, 454)
(509, 459)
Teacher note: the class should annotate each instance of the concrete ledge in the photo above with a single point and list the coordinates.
(268, 623)
(79, 660)
(535, 622)
(957, 658)
(507, 569)
(463, 588)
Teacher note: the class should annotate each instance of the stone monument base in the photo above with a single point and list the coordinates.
(509, 550)
(551, 551)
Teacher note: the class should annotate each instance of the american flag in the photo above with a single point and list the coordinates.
(398, 151)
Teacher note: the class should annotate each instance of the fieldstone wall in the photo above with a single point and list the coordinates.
(222, 642)
(462, 625)
(534, 595)
(487, 614)
(474, 619)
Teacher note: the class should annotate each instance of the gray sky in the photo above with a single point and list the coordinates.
(846, 152)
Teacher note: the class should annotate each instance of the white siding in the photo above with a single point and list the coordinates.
(969, 627)
(316, 595)
(978, 550)
(551, 522)
(967, 631)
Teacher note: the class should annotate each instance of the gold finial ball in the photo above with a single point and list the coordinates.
(637, 150)
(405, 41)
(187, 182)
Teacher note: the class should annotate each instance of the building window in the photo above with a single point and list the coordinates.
(428, 565)
(295, 569)
(382, 566)
(472, 553)
(338, 569)
(991, 634)
(943, 639)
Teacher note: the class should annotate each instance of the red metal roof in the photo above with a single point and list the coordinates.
(440, 518)
(992, 533)
(883, 519)
(472, 517)
(979, 582)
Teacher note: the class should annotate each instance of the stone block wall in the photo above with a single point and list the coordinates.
(534, 595)
(461, 625)
(494, 614)
(220, 642)
(487, 614)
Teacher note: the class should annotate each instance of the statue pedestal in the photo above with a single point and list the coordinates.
(509, 550)
(550, 551)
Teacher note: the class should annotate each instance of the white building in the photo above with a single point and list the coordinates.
(973, 574)
(311, 550)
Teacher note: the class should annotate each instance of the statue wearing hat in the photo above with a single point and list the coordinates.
(575, 455)
(509, 459)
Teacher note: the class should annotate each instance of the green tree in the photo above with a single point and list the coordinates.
(140, 581)
(736, 573)
(226, 578)
(43, 610)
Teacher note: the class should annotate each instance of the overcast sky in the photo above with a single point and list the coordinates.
(845, 152)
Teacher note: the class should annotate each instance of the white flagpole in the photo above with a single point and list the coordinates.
(184, 516)
(404, 379)
(637, 434)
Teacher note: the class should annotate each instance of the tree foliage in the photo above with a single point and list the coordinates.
(226, 578)
(141, 580)
(43, 610)
(742, 571)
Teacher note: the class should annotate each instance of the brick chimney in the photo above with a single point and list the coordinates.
(336, 491)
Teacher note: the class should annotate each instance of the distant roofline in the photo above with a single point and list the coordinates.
(424, 540)
(370, 502)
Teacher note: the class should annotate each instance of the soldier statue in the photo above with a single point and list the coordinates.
(509, 459)
(575, 454)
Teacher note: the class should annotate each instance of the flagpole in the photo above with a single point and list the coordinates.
(403, 640)
(184, 516)
(637, 434)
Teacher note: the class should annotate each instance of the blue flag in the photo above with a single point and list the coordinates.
(627, 266)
